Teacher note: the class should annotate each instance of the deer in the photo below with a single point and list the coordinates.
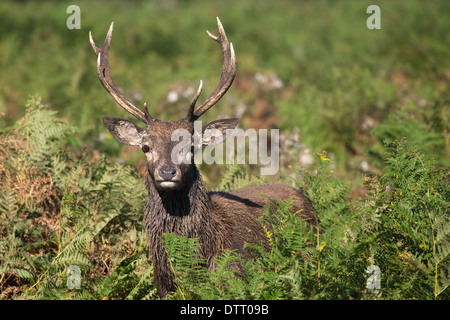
(177, 201)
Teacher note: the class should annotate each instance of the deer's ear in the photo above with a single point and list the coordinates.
(218, 131)
(124, 131)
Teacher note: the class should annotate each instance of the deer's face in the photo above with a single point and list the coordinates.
(169, 146)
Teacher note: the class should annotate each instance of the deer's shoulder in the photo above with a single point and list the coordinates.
(254, 199)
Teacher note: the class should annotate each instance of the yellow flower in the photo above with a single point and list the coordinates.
(322, 246)
(323, 156)
(268, 235)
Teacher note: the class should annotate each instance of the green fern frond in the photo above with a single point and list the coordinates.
(236, 177)
(8, 206)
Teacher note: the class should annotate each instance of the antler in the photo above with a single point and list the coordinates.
(229, 68)
(105, 78)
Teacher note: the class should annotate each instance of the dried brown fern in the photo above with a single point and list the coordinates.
(33, 187)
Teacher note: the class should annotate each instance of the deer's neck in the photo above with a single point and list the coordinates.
(182, 211)
(189, 214)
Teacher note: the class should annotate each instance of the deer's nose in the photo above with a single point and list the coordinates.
(167, 173)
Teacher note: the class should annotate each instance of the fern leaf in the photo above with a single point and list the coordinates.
(236, 177)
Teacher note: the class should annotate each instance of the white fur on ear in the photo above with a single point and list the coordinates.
(124, 131)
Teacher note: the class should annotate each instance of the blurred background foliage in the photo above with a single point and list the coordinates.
(310, 68)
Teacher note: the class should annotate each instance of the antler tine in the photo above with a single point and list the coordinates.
(190, 114)
(148, 117)
(229, 68)
(105, 78)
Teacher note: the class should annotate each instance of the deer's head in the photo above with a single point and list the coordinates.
(169, 170)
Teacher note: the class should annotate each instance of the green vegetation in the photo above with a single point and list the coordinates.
(376, 100)
(58, 210)
(404, 231)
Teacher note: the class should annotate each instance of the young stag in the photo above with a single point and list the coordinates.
(177, 201)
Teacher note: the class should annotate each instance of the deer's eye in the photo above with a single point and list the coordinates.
(145, 148)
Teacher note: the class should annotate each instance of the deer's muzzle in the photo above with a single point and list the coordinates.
(167, 177)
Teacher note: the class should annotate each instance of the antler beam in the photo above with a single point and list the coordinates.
(229, 68)
(106, 80)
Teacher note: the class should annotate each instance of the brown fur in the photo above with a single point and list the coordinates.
(221, 220)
